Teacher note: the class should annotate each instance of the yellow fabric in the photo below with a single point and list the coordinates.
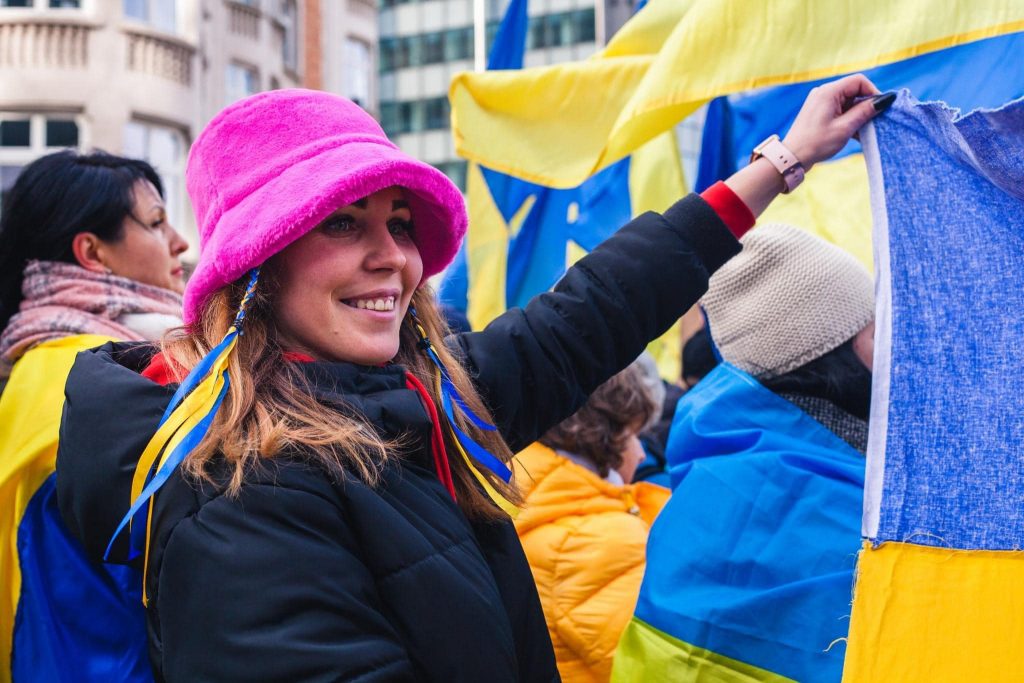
(586, 542)
(936, 614)
(30, 410)
(647, 654)
(486, 250)
(560, 124)
(833, 204)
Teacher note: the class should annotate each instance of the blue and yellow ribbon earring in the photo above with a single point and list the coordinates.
(450, 399)
(185, 422)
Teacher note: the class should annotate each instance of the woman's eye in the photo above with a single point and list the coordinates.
(338, 224)
(401, 228)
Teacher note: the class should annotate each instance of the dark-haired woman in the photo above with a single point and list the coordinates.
(88, 256)
(750, 564)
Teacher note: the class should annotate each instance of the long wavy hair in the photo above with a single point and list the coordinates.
(270, 409)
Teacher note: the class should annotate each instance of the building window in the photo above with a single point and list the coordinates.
(397, 118)
(557, 30)
(241, 81)
(16, 133)
(26, 137)
(290, 45)
(161, 14)
(455, 170)
(164, 149)
(358, 68)
(43, 4)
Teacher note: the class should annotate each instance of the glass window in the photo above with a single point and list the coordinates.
(433, 48)
(585, 29)
(15, 3)
(458, 44)
(61, 133)
(455, 170)
(241, 81)
(290, 46)
(66, 4)
(16, 133)
(436, 113)
(357, 72)
(8, 174)
(162, 14)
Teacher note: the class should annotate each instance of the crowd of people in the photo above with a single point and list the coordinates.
(288, 467)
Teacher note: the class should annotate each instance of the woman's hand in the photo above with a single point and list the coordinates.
(826, 122)
(829, 118)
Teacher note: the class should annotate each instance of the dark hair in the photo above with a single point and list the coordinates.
(839, 377)
(55, 198)
(598, 431)
(699, 355)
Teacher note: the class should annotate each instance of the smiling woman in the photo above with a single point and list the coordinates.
(327, 494)
(344, 288)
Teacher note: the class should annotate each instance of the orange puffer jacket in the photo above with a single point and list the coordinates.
(585, 539)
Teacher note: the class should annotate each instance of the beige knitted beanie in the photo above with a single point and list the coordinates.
(789, 297)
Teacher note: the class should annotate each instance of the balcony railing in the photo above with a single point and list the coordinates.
(38, 44)
(158, 56)
(243, 20)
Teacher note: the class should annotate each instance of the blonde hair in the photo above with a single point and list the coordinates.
(269, 406)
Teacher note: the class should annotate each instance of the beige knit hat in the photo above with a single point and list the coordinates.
(789, 297)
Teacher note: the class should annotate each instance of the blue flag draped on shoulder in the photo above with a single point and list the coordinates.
(749, 565)
(524, 235)
(62, 617)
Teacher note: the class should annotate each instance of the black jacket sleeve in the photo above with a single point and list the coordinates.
(266, 587)
(535, 366)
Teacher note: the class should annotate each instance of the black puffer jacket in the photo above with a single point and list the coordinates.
(304, 578)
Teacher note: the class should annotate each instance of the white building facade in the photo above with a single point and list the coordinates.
(142, 77)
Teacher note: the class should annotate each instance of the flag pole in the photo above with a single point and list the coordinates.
(479, 36)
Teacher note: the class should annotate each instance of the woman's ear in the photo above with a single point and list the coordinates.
(88, 251)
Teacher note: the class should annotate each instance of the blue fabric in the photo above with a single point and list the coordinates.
(753, 555)
(510, 41)
(76, 621)
(986, 73)
(954, 213)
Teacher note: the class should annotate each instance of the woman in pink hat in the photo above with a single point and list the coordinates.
(332, 494)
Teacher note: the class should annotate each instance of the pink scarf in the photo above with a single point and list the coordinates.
(62, 299)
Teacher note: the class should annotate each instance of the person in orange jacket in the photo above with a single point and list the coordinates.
(584, 526)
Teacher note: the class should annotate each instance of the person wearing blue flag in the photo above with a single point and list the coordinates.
(313, 475)
(750, 565)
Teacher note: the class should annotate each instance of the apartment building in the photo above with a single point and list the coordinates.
(142, 77)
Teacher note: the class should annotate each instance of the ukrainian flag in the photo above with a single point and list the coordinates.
(833, 202)
(524, 235)
(940, 584)
(559, 125)
(62, 618)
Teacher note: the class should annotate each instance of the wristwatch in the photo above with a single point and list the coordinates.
(784, 161)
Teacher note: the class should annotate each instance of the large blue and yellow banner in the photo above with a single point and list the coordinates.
(940, 586)
(559, 125)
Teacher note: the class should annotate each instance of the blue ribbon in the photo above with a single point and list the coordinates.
(478, 452)
(137, 537)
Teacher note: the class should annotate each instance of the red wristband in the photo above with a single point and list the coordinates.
(730, 208)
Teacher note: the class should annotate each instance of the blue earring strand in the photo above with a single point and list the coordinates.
(451, 399)
(182, 409)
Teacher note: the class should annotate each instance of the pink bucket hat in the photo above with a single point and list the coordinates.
(271, 167)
